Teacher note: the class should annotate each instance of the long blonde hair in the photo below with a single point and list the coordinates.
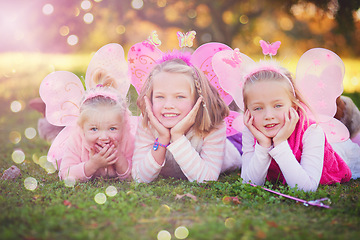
(213, 110)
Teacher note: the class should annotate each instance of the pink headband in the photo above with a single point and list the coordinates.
(272, 69)
(100, 91)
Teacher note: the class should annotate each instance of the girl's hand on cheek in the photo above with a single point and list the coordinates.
(291, 119)
(263, 140)
(185, 124)
(163, 131)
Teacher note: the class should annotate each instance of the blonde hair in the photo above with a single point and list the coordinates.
(100, 77)
(210, 114)
(282, 76)
(103, 96)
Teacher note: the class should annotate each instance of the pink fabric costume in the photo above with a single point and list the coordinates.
(77, 154)
(63, 94)
(334, 168)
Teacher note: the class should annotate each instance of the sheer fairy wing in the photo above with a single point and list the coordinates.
(61, 91)
(324, 71)
(56, 151)
(229, 67)
(202, 58)
(110, 58)
(231, 123)
(319, 77)
(142, 58)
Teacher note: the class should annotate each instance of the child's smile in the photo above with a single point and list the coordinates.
(268, 102)
(172, 97)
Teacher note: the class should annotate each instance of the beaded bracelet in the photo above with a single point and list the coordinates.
(157, 144)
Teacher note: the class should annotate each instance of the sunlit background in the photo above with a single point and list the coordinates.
(38, 37)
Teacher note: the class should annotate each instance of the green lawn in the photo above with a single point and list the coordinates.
(141, 211)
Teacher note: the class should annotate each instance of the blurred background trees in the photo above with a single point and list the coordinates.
(68, 26)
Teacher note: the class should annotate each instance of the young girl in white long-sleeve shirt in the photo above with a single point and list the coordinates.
(280, 143)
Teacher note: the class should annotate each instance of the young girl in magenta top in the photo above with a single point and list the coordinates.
(280, 142)
(181, 132)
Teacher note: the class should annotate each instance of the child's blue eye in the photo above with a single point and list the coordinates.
(278, 105)
(159, 97)
(257, 109)
(180, 97)
(93, 129)
(112, 128)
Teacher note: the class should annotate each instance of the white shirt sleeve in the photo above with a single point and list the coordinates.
(306, 174)
(256, 159)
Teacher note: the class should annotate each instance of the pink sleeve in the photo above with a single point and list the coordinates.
(128, 150)
(144, 166)
(72, 164)
(205, 165)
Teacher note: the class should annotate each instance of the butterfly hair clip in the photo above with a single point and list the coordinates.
(269, 48)
(186, 39)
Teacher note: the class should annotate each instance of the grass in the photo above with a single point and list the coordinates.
(142, 211)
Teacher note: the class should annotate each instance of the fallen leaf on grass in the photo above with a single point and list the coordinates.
(234, 200)
(186, 195)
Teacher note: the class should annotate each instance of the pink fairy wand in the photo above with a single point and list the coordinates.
(317, 202)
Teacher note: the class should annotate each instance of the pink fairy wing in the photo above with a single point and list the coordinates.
(142, 58)
(335, 130)
(238, 123)
(111, 58)
(202, 58)
(230, 73)
(319, 77)
(229, 120)
(56, 151)
(62, 92)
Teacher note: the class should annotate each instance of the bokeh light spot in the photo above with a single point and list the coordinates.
(244, 19)
(164, 235)
(18, 156)
(86, 5)
(16, 106)
(69, 181)
(181, 232)
(30, 183)
(164, 210)
(192, 13)
(88, 18)
(206, 37)
(42, 161)
(30, 133)
(35, 158)
(48, 9)
(100, 198)
(72, 40)
(111, 191)
(49, 167)
(120, 29)
(161, 3)
(228, 17)
(14, 137)
(229, 222)
(286, 23)
(64, 31)
(137, 4)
